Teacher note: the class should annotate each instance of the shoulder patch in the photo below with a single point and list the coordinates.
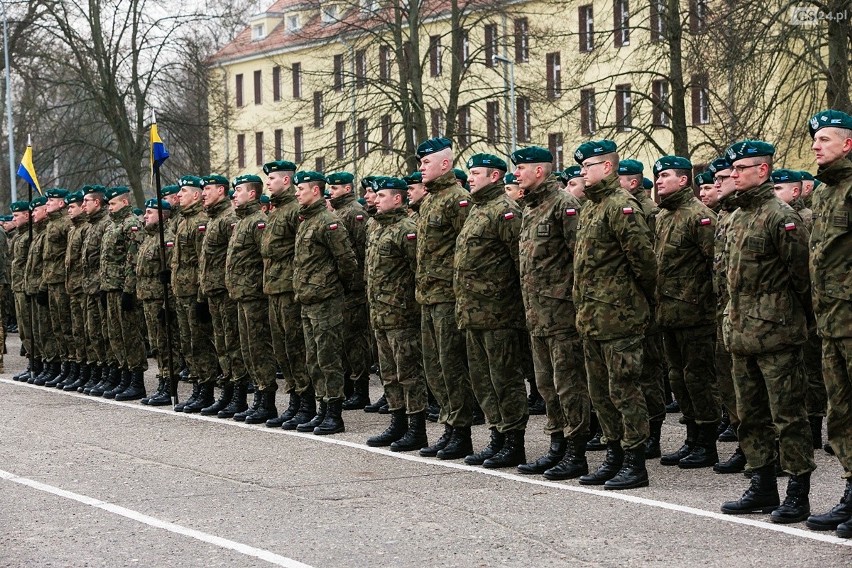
(411, 236)
(301, 218)
(332, 227)
(571, 212)
(134, 229)
(359, 217)
(233, 225)
(705, 221)
(170, 244)
(508, 215)
(627, 210)
(261, 225)
(463, 203)
(789, 226)
(202, 228)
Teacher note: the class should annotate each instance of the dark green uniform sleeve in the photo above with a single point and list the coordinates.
(634, 238)
(135, 235)
(337, 240)
(509, 230)
(791, 241)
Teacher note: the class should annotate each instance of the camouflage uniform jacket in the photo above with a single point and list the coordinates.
(390, 266)
(804, 212)
(55, 246)
(767, 276)
(614, 266)
(485, 267)
(4, 259)
(20, 253)
(354, 218)
(98, 223)
(34, 260)
(414, 211)
(174, 219)
(325, 263)
(74, 275)
(118, 251)
(831, 251)
(244, 264)
(148, 285)
(684, 250)
(214, 247)
(728, 211)
(185, 257)
(278, 243)
(649, 209)
(442, 215)
(547, 240)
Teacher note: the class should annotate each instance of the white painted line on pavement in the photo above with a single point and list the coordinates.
(620, 496)
(266, 555)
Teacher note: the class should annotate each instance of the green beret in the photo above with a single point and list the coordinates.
(532, 155)
(572, 172)
(367, 182)
(704, 178)
(373, 184)
(486, 161)
(191, 181)
(749, 149)
(19, 206)
(339, 178)
(786, 176)
(806, 175)
(138, 212)
(392, 183)
(89, 189)
(38, 202)
(308, 176)
(510, 179)
(264, 199)
(214, 179)
(56, 193)
(152, 204)
(116, 191)
(7, 218)
(413, 177)
(593, 148)
(433, 145)
(647, 184)
(245, 178)
(719, 164)
(630, 167)
(817, 183)
(75, 197)
(671, 163)
(230, 194)
(169, 190)
(279, 166)
(460, 175)
(830, 117)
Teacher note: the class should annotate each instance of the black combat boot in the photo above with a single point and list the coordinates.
(84, 373)
(816, 430)
(761, 495)
(703, 452)
(163, 396)
(675, 457)
(25, 374)
(255, 404)
(495, 444)
(432, 451)
(63, 374)
(333, 422)
(196, 391)
(291, 410)
(632, 473)
(796, 506)
(396, 430)
(226, 393)
(844, 530)
(39, 375)
(110, 380)
(594, 444)
(652, 444)
(377, 406)
(840, 513)
(73, 375)
(573, 463)
(52, 370)
(734, 464)
(318, 418)
(535, 402)
(724, 423)
(609, 468)
(136, 389)
(306, 411)
(206, 397)
(95, 374)
(512, 454)
(160, 386)
(415, 437)
(238, 401)
(360, 396)
(554, 455)
(267, 408)
(433, 411)
(126, 377)
(729, 435)
(459, 445)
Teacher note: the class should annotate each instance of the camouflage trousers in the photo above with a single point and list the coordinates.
(288, 341)
(125, 334)
(837, 369)
(60, 317)
(401, 364)
(771, 389)
(196, 340)
(158, 338)
(322, 324)
(496, 378)
(525, 357)
(613, 368)
(725, 379)
(77, 338)
(652, 378)
(4, 315)
(817, 398)
(22, 309)
(226, 338)
(97, 345)
(445, 364)
(356, 334)
(560, 376)
(692, 372)
(45, 341)
(256, 343)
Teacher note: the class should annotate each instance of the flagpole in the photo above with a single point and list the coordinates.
(30, 303)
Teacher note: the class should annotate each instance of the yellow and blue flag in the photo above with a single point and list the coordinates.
(159, 154)
(26, 170)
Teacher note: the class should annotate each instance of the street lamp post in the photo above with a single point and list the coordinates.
(10, 124)
(513, 107)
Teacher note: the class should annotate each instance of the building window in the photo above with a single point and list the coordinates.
(661, 116)
(241, 150)
(435, 56)
(297, 80)
(463, 47)
(522, 40)
(338, 72)
(330, 13)
(319, 114)
(340, 139)
(492, 119)
(299, 143)
(276, 83)
(623, 108)
(319, 164)
(588, 119)
(360, 68)
(621, 23)
(490, 44)
(385, 62)
(238, 89)
(463, 125)
(700, 99)
(587, 28)
(658, 20)
(554, 75)
(363, 143)
(258, 32)
(279, 143)
(293, 23)
(697, 16)
(554, 144)
(523, 119)
(437, 119)
(387, 142)
(258, 148)
(258, 86)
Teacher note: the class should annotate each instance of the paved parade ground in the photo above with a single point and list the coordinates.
(94, 482)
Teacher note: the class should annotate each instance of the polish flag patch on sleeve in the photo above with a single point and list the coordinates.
(359, 217)
(202, 228)
(463, 203)
(411, 236)
(790, 226)
(508, 216)
(627, 210)
(571, 212)
(261, 225)
(332, 227)
(170, 244)
(704, 221)
(134, 229)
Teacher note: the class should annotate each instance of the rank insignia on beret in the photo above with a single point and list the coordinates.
(508, 215)
(627, 210)
(705, 221)
(359, 217)
(463, 203)
(170, 244)
(789, 226)
(411, 236)
(202, 228)
(261, 225)
(570, 212)
(332, 227)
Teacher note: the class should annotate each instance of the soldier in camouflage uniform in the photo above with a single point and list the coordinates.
(278, 243)
(416, 193)
(830, 270)
(19, 253)
(707, 192)
(764, 328)
(808, 186)
(546, 244)
(170, 196)
(442, 216)
(324, 268)
(53, 278)
(4, 286)
(79, 372)
(357, 345)
(45, 344)
(614, 281)
(244, 278)
(685, 308)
